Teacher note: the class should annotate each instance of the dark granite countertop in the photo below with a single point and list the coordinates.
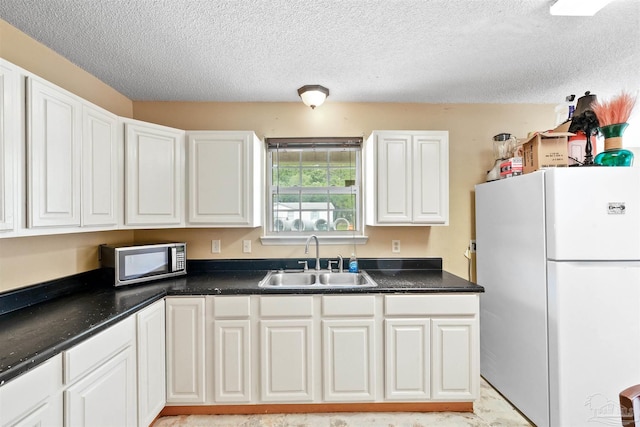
(43, 320)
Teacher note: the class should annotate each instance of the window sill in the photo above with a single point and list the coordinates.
(323, 240)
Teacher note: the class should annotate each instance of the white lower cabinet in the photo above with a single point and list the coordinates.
(277, 349)
(105, 397)
(151, 362)
(286, 349)
(432, 347)
(349, 348)
(408, 359)
(100, 379)
(34, 398)
(229, 334)
(185, 350)
(455, 351)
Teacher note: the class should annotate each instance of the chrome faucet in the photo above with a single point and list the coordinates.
(340, 263)
(306, 250)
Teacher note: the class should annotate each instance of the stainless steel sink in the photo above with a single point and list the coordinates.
(315, 279)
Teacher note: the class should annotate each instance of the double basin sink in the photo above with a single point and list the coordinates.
(316, 279)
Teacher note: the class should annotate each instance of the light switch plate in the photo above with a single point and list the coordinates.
(246, 246)
(215, 246)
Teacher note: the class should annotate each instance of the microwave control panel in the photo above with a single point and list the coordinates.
(179, 260)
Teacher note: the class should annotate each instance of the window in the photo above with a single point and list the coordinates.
(314, 186)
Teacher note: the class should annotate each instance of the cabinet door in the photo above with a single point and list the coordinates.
(232, 360)
(100, 167)
(408, 359)
(10, 106)
(456, 374)
(185, 350)
(393, 181)
(105, 397)
(53, 156)
(286, 360)
(34, 398)
(224, 179)
(154, 174)
(151, 363)
(430, 178)
(348, 360)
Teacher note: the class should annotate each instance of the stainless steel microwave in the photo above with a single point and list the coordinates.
(142, 263)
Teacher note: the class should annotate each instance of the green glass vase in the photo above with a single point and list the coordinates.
(614, 154)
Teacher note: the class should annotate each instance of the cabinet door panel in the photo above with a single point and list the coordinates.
(455, 374)
(286, 360)
(154, 175)
(100, 167)
(394, 179)
(105, 397)
(151, 362)
(349, 360)
(54, 121)
(223, 169)
(34, 398)
(430, 185)
(49, 414)
(232, 361)
(9, 143)
(185, 350)
(408, 359)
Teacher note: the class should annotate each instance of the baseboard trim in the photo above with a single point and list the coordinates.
(317, 408)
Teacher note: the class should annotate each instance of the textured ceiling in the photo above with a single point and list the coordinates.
(431, 51)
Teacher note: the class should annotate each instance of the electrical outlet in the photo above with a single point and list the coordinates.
(395, 246)
(215, 246)
(472, 245)
(246, 246)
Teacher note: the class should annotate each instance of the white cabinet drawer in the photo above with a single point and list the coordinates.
(33, 392)
(231, 307)
(91, 353)
(289, 306)
(348, 305)
(430, 305)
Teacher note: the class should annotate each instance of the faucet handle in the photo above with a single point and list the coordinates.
(306, 267)
(330, 263)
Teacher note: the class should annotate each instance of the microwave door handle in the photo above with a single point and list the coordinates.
(174, 252)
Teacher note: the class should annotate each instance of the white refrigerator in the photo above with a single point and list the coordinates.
(558, 253)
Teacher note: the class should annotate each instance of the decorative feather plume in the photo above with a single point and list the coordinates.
(616, 110)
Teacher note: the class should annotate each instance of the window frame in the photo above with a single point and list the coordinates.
(355, 144)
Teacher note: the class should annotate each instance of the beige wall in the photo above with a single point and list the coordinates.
(470, 126)
(29, 260)
(20, 49)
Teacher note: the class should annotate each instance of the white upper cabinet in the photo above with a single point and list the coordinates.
(54, 123)
(101, 167)
(407, 176)
(225, 170)
(154, 174)
(9, 144)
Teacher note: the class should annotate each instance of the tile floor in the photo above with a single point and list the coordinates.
(490, 410)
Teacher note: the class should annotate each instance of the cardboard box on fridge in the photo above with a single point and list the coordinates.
(545, 150)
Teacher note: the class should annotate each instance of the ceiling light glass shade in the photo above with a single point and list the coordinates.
(313, 95)
(577, 7)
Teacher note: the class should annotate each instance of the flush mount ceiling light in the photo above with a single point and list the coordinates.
(313, 95)
(577, 7)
